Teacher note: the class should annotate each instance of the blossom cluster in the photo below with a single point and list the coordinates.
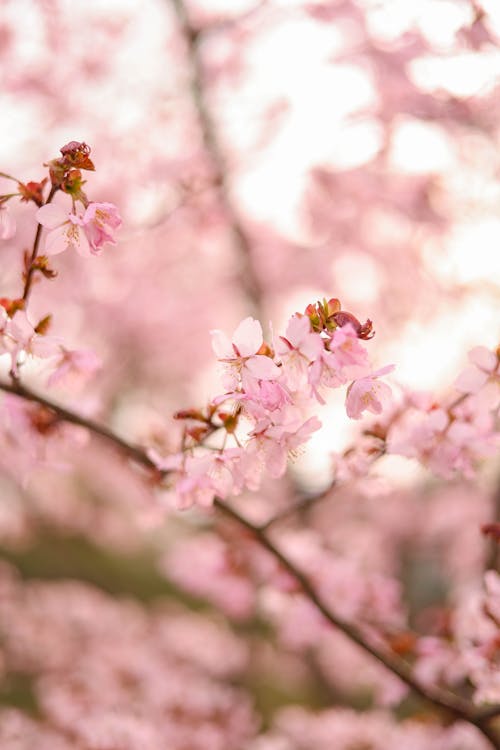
(20, 338)
(450, 436)
(470, 650)
(111, 673)
(268, 389)
(86, 232)
(401, 562)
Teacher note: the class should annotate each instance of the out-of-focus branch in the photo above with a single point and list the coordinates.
(301, 505)
(248, 278)
(456, 706)
(493, 555)
(451, 703)
(134, 452)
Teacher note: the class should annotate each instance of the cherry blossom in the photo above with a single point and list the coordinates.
(86, 233)
(369, 394)
(241, 354)
(298, 348)
(66, 231)
(100, 222)
(231, 575)
(482, 377)
(20, 337)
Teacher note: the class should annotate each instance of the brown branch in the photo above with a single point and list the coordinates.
(451, 703)
(248, 277)
(36, 243)
(301, 505)
(134, 452)
(493, 555)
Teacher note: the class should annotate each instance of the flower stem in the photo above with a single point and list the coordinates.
(36, 242)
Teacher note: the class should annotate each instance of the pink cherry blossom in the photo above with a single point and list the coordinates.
(19, 336)
(484, 365)
(368, 394)
(240, 354)
(100, 221)
(272, 444)
(66, 230)
(344, 359)
(265, 396)
(297, 349)
(347, 349)
(73, 367)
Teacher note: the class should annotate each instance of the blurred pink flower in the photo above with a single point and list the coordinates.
(241, 354)
(368, 394)
(298, 348)
(74, 366)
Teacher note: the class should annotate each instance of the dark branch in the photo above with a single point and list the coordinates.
(452, 704)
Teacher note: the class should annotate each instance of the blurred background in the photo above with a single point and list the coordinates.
(262, 155)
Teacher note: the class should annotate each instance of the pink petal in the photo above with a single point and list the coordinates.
(471, 380)
(483, 358)
(297, 329)
(263, 368)
(276, 459)
(51, 216)
(438, 420)
(56, 241)
(383, 371)
(45, 346)
(247, 338)
(82, 244)
(20, 327)
(221, 345)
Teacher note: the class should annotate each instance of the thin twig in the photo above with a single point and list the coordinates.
(36, 242)
(303, 504)
(8, 177)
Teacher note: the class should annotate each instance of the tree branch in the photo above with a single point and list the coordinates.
(31, 269)
(134, 452)
(248, 277)
(452, 704)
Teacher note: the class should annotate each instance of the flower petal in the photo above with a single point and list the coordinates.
(263, 368)
(51, 216)
(221, 345)
(471, 380)
(56, 241)
(247, 338)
